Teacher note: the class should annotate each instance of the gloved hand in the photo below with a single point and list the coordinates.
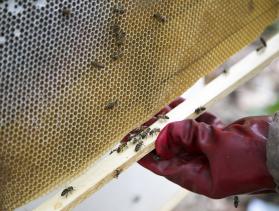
(205, 157)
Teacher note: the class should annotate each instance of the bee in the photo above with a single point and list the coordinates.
(159, 17)
(140, 129)
(120, 37)
(112, 151)
(199, 110)
(136, 139)
(263, 42)
(119, 9)
(121, 147)
(111, 105)
(116, 55)
(98, 65)
(145, 133)
(117, 172)
(67, 191)
(132, 135)
(162, 116)
(115, 28)
(154, 131)
(138, 146)
(236, 201)
(66, 12)
(119, 34)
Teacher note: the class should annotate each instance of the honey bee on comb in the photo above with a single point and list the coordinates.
(111, 105)
(119, 9)
(98, 65)
(119, 34)
(160, 18)
(116, 28)
(66, 12)
(116, 55)
(120, 38)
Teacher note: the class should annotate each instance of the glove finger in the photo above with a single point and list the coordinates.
(182, 136)
(176, 102)
(151, 161)
(210, 119)
(165, 110)
(192, 174)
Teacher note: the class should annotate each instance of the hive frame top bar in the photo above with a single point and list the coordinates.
(104, 171)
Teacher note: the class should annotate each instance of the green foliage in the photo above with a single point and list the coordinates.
(272, 108)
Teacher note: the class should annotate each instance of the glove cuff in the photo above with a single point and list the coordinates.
(272, 150)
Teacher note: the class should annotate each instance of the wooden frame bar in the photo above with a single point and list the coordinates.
(104, 170)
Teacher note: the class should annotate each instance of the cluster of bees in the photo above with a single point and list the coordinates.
(142, 132)
(137, 139)
(120, 38)
(137, 136)
(119, 34)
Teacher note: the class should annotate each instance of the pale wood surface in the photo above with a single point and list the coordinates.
(103, 171)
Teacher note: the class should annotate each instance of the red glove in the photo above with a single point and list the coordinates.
(205, 157)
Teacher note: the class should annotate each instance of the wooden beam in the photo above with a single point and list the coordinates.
(104, 170)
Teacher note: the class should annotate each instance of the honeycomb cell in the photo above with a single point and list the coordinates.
(59, 67)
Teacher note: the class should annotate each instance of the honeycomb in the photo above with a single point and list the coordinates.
(76, 76)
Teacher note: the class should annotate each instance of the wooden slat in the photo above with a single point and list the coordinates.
(103, 171)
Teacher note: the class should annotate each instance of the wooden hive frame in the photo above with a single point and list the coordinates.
(104, 170)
